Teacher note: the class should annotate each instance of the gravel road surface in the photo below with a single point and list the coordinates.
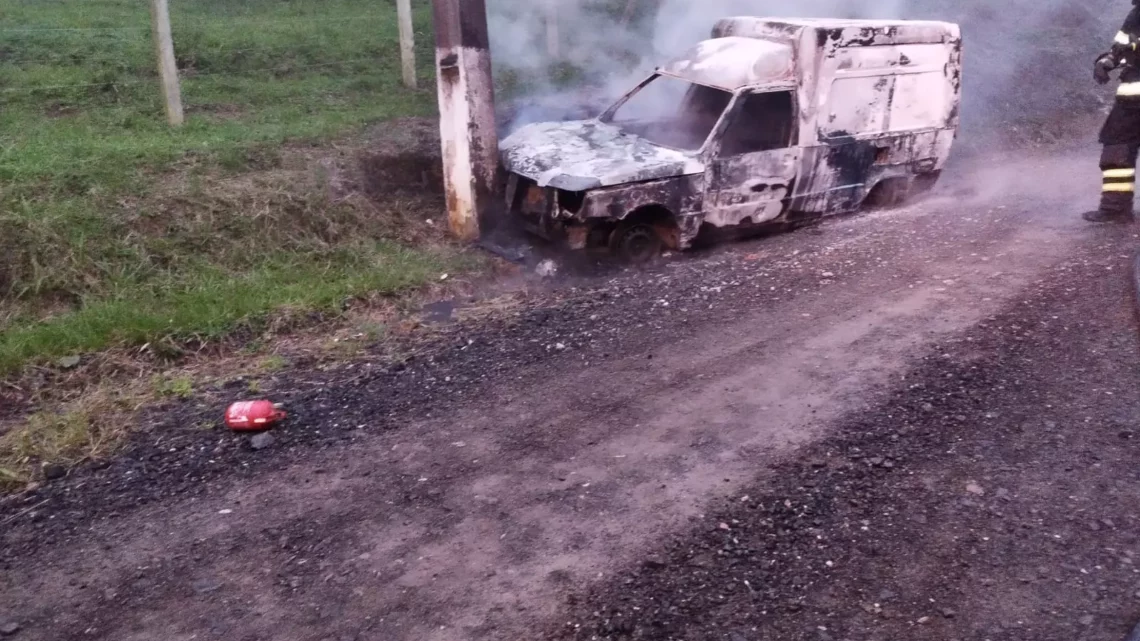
(918, 423)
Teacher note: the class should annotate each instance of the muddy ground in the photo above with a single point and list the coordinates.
(918, 423)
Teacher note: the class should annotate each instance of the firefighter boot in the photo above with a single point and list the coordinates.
(1115, 207)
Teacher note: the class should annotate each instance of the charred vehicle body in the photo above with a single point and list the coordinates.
(769, 122)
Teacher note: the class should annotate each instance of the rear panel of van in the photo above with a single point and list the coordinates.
(883, 112)
(886, 89)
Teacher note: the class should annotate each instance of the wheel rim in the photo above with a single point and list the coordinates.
(640, 243)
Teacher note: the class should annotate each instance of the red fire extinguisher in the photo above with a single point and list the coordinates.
(253, 415)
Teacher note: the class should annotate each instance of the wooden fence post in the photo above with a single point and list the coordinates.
(627, 16)
(552, 37)
(407, 42)
(167, 67)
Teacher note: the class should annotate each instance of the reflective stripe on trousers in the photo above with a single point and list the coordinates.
(1119, 180)
(1128, 89)
(1118, 167)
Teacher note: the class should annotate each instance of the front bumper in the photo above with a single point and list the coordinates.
(549, 213)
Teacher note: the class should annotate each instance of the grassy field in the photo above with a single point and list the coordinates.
(110, 230)
(294, 187)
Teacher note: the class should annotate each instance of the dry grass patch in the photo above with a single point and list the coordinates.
(67, 434)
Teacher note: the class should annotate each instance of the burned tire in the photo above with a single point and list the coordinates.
(892, 192)
(636, 242)
(925, 183)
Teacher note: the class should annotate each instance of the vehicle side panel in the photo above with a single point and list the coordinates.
(876, 112)
(838, 176)
(751, 188)
(683, 197)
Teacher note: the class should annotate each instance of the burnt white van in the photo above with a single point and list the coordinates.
(770, 122)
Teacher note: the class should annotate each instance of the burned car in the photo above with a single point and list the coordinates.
(770, 122)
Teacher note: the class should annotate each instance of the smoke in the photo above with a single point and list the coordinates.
(1027, 62)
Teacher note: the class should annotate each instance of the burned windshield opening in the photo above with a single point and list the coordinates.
(672, 112)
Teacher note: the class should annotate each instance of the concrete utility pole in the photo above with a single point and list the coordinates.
(466, 113)
(167, 67)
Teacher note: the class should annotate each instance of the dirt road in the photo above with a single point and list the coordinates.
(918, 423)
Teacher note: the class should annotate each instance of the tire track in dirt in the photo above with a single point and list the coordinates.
(992, 496)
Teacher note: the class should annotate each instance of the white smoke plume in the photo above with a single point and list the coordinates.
(1025, 60)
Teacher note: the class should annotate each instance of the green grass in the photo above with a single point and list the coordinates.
(179, 387)
(96, 254)
(216, 302)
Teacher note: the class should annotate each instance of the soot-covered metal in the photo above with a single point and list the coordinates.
(771, 121)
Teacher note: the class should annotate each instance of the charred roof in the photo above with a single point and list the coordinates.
(746, 52)
(841, 31)
(734, 62)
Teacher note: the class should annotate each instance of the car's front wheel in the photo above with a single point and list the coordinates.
(636, 242)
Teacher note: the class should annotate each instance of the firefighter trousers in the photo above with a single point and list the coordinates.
(1118, 167)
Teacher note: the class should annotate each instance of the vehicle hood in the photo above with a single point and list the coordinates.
(588, 154)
